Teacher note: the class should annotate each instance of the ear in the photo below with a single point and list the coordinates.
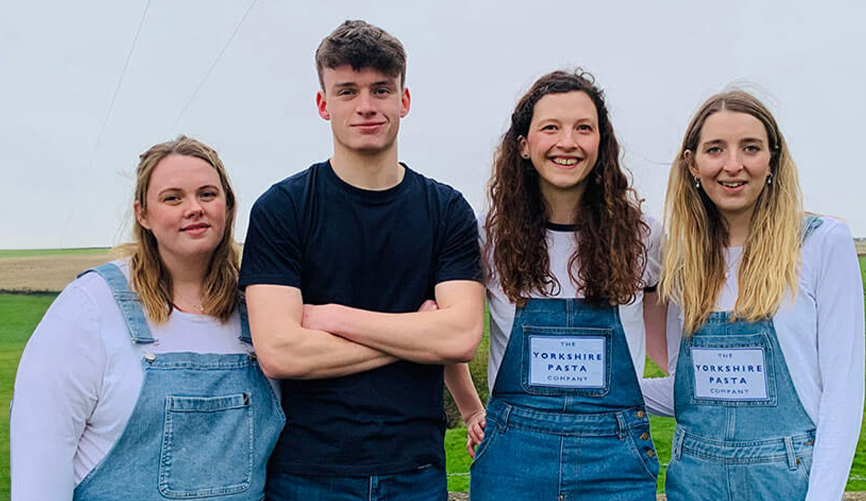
(524, 147)
(139, 215)
(404, 101)
(688, 158)
(322, 105)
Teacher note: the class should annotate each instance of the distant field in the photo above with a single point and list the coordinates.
(46, 270)
(861, 247)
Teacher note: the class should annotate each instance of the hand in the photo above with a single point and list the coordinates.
(316, 317)
(475, 424)
(429, 305)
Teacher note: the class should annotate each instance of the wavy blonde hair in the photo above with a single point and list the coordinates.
(148, 275)
(697, 234)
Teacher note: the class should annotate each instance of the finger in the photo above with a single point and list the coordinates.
(470, 448)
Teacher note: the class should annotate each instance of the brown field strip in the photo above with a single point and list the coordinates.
(861, 247)
(45, 273)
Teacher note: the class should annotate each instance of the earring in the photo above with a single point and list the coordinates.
(697, 183)
(770, 178)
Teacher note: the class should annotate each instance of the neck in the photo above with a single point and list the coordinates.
(187, 274)
(739, 227)
(562, 204)
(375, 171)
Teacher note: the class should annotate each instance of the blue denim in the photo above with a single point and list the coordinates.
(427, 483)
(546, 441)
(749, 447)
(204, 424)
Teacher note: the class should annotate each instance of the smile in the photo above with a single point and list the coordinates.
(194, 227)
(732, 184)
(564, 161)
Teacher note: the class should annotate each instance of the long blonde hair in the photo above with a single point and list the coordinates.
(697, 234)
(149, 276)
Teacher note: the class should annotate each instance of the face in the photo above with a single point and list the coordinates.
(364, 108)
(562, 141)
(732, 162)
(186, 208)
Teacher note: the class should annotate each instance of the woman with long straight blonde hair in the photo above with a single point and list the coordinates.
(768, 388)
(182, 411)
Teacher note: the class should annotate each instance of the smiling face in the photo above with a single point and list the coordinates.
(364, 108)
(562, 142)
(732, 162)
(186, 208)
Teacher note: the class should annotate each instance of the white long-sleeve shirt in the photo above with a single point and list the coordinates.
(78, 382)
(821, 334)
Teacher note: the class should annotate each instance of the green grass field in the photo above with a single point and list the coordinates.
(19, 315)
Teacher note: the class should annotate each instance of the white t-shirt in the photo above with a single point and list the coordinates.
(821, 334)
(79, 379)
(561, 244)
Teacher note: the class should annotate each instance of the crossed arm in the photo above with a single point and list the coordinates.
(312, 342)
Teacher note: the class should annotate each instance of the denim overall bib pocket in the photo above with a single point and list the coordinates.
(742, 432)
(566, 418)
(203, 426)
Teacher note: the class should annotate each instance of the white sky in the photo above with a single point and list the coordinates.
(61, 185)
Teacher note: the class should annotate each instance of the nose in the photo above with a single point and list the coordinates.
(567, 140)
(365, 105)
(194, 208)
(733, 162)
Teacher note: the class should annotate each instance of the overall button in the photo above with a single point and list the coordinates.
(640, 414)
(150, 357)
(644, 436)
(650, 453)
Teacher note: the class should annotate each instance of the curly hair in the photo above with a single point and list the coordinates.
(610, 255)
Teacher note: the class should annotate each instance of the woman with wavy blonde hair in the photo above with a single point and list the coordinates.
(768, 388)
(183, 411)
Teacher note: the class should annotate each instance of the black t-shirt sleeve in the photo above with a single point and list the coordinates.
(272, 250)
(460, 258)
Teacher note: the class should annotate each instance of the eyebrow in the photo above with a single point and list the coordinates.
(200, 188)
(744, 140)
(343, 85)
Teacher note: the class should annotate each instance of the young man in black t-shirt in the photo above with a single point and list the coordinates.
(338, 260)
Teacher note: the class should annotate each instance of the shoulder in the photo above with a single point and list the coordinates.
(290, 188)
(829, 234)
(439, 190)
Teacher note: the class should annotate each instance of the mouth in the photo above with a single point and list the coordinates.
(368, 126)
(732, 184)
(196, 227)
(565, 161)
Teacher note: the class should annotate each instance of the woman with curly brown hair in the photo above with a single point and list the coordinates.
(566, 250)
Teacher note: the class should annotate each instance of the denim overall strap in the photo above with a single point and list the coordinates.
(127, 300)
(810, 224)
(246, 337)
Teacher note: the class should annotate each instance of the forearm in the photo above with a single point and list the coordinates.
(311, 354)
(447, 335)
(458, 379)
(655, 316)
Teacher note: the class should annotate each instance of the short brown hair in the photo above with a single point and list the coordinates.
(362, 45)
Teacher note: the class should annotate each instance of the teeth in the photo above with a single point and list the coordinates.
(732, 184)
(565, 161)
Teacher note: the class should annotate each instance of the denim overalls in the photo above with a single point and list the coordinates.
(742, 433)
(566, 419)
(203, 427)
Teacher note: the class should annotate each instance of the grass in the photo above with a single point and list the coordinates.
(19, 315)
(51, 252)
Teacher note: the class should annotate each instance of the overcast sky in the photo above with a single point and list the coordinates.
(86, 86)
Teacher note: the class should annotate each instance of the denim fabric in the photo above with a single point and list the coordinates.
(204, 425)
(733, 448)
(548, 441)
(427, 483)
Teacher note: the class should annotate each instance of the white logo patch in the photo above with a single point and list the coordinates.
(569, 362)
(729, 373)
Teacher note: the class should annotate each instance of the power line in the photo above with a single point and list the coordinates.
(213, 65)
(107, 116)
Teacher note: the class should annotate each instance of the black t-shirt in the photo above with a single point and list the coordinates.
(376, 250)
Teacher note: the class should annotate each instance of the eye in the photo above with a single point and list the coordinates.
(171, 199)
(713, 150)
(382, 91)
(549, 127)
(209, 195)
(752, 148)
(345, 92)
(585, 128)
